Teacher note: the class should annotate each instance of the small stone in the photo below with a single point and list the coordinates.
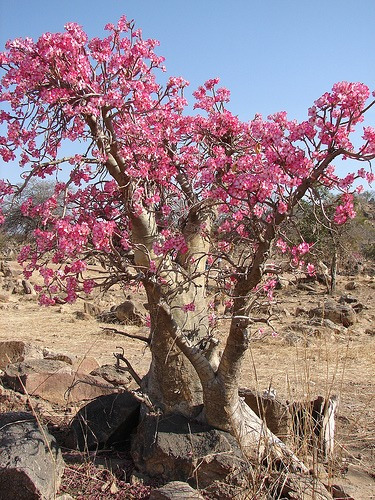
(92, 309)
(81, 315)
(176, 490)
(352, 285)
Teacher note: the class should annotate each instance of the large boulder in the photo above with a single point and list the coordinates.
(105, 422)
(341, 314)
(31, 464)
(13, 351)
(55, 381)
(175, 448)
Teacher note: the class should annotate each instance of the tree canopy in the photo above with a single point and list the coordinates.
(137, 143)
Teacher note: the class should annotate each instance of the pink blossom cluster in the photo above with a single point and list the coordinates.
(101, 234)
(188, 307)
(146, 157)
(170, 243)
(269, 287)
(345, 210)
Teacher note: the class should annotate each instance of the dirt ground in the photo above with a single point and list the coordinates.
(303, 361)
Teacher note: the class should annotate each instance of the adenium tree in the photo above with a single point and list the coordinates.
(177, 203)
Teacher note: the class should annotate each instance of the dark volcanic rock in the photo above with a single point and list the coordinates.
(177, 449)
(31, 464)
(107, 421)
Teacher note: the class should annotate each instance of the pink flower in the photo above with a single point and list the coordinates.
(88, 286)
(188, 307)
(282, 207)
(310, 269)
(282, 245)
(44, 300)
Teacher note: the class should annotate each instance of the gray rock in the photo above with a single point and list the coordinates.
(348, 299)
(332, 326)
(105, 422)
(176, 490)
(31, 464)
(113, 374)
(177, 449)
(341, 314)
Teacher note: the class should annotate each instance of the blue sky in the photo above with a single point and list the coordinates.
(272, 54)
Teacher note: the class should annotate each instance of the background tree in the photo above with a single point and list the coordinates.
(163, 197)
(334, 245)
(18, 226)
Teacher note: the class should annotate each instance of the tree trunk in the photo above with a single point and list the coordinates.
(172, 382)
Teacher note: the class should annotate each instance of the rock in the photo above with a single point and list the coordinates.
(176, 490)
(79, 364)
(55, 381)
(113, 374)
(128, 314)
(175, 448)
(4, 297)
(332, 326)
(92, 309)
(370, 331)
(341, 314)
(28, 287)
(82, 316)
(347, 299)
(274, 412)
(352, 285)
(31, 464)
(105, 422)
(353, 301)
(13, 351)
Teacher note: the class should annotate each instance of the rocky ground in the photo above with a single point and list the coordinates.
(308, 357)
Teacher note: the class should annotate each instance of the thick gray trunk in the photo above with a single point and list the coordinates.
(172, 382)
